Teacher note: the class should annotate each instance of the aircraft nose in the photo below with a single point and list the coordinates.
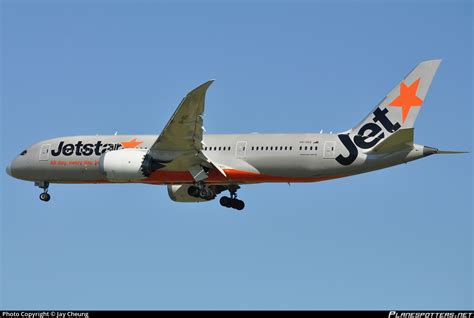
(9, 170)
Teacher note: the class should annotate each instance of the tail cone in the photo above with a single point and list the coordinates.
(428, 151)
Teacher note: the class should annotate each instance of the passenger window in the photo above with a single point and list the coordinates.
(266, 148)
(311, 148)
(301, 147)
(219, 148)
(257, 147)
(291, 147)
(215, 148)
(305, 147)
(252, 147)
(286, 147)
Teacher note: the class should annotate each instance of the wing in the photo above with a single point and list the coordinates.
(185, 128)
(179, 145)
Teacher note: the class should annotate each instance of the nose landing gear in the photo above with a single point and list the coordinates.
(45, 196)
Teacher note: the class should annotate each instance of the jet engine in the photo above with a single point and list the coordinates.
(192, 193)
(123, 165)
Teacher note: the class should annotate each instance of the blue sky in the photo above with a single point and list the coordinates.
(396, 238)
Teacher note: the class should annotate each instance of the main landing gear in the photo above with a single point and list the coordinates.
(232, 202)
(201, 191)
(45, 195)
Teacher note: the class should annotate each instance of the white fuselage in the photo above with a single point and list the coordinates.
(248, 158)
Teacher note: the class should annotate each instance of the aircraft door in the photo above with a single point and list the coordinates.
(44, 152)
(329, 150)
(240, 149)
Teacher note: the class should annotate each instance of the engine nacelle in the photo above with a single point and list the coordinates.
(179, 193)
(122, 165)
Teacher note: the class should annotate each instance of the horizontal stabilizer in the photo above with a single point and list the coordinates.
(448, 152)
(401, 139)
(434, 151)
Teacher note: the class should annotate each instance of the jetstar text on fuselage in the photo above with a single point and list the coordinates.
(81, 149)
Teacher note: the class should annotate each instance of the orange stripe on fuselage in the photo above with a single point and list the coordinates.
(233, 176)
(215, 177)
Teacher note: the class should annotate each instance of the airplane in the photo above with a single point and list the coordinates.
(197, 167)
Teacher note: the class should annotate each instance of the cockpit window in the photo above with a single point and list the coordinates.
(23, 153)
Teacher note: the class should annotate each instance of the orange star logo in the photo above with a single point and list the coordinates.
(407, 98)
(131, 144)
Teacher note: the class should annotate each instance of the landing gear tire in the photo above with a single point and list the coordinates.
(194, 191)
(205, 194)
(202, 191)
(226, 202)
(45, 197)
(238, 204)
(232, 203)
